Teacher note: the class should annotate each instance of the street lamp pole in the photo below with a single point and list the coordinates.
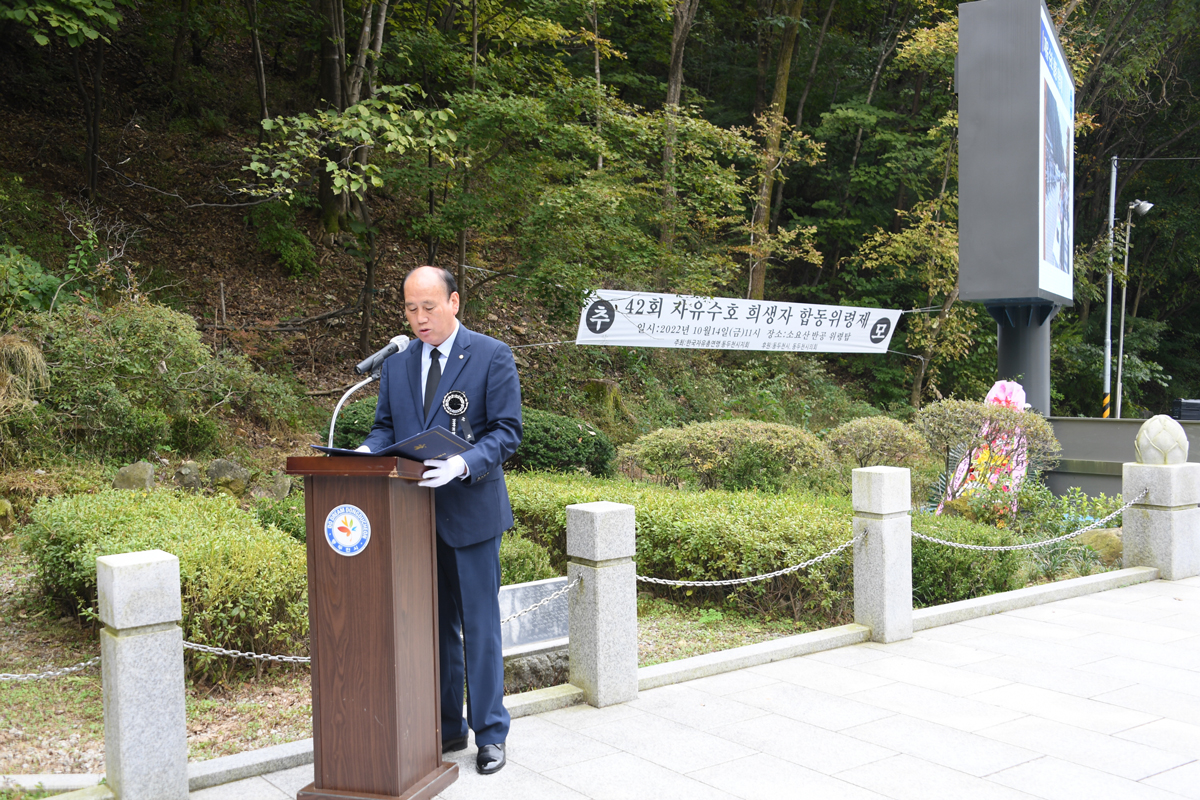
(1141, 207)
(1112, 222)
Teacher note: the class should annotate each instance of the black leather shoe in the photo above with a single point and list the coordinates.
(490, 759)
(453, 745)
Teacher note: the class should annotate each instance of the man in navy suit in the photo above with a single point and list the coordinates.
(471, 500)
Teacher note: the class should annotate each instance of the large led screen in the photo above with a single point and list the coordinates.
(1057, 162)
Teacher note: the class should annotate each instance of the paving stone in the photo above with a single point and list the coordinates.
(1175, 679)
(667, 743)
(809, 705)
(848, 656)
(1183, 781)
(904, 777)
(1181, 653)
(759, 776)
(1047, 676)
(1063, 655)
(514, 782)
(1081, 712)
(580, 717)
(963, 713)
(540, 745)
(947, 654)
(1099, 751)
(290, 781)
(737, 681)
(1030, 628)
(940, 744)
(1156, 702)
(824, 677)
(626, 777)
(932, 676)
(800, 743)
(1055, 779)
(694, 708)
(1167, 734)
(247, 789)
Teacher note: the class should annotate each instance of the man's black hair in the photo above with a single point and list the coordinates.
(447, 278)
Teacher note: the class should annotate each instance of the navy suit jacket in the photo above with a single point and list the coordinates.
(475, 509)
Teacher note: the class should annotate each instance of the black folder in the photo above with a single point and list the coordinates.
(433, 443)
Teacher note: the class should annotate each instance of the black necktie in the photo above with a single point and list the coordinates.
(431, 380)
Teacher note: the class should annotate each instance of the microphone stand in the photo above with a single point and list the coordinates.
(373, 376)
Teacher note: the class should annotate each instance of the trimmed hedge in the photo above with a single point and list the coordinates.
(245, 586)
(523, 560)
(714, 535)
(734, 454)
(561, 444)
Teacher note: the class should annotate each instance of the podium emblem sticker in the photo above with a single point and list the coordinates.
(347, 530)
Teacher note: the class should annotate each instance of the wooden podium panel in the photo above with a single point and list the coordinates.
(374, 633)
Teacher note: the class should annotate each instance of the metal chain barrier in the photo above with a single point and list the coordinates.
(543, 601)
(737, 581)
(1035, 545)
(52, 673)
(220, 651)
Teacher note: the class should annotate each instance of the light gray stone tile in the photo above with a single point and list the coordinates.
(963, 713)
(1182, 781)
(1145, 673)
(1049, 676)
(824, 677)
(1029, 628)
(1184, 622)
(932, 676)
(1100, 605)
(541, 745)
(1081, 712)
(1167, 734)
(948, 633)
(1140, 631)
(761, 776)
(1046, 652)
(907, 778)
(736, 681)
(290, 781)
(1181, 653)
(800, 743)
(248, 789)
(847, 656)
(809, 705)
(666, 743)
(1054, 779)
(623, 776)
(694, 708)
(584, 716)
(947, 654)
(1156, 702)
(939, 744)
(514, 782)
(1089, 749)
(1057, 613)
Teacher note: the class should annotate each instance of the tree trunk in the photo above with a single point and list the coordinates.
(777, 205)
(260, 75)
(181, 35)
(764, 39)
(919, 380)
(684, 14)
(762, 209)
(93, 104)
(368, 290)
(595, 20)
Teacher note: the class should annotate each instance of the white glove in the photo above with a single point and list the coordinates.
(443, 471)
(362, 448)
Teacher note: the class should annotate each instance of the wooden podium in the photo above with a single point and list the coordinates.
(373, 625)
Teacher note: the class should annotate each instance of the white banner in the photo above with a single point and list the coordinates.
(646, 319)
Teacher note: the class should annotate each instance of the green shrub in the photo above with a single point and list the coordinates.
(353, 423)
(715, 535)
(876, 441)
(120, 378)
(286, 514)
(733, 454)
(561, 444)
(967, 426)
(194, 435)
(24, 285)
(244, 586)
(944, 574)
(523, 560)
(279, 237)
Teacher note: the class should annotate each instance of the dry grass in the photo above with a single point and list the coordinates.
(668, 631)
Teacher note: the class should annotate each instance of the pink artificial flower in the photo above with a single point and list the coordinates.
(1007, 393)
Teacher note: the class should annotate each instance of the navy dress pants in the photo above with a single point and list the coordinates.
(469, 619)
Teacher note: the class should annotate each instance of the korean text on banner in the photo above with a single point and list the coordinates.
(646, 319)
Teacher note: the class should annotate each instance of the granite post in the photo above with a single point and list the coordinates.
(141, 649)
(883, 556)
(602, 614)
(1162, 530)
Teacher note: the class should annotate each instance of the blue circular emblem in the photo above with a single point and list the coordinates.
(347, 530)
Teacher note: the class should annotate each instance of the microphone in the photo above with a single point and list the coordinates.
(374, 362)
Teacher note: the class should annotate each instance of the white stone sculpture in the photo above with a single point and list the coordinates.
(1161, 440)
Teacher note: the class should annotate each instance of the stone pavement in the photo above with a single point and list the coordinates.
(1093, 697)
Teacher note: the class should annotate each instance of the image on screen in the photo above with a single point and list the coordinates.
(1056, 184)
